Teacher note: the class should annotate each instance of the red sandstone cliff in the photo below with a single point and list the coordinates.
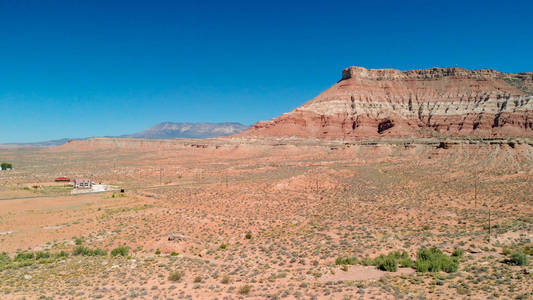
(369, 103)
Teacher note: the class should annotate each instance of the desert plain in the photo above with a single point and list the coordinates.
(244, 218)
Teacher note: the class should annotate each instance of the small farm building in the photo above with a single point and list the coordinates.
(62, 179)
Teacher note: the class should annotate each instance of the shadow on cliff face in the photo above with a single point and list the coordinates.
(385, 125)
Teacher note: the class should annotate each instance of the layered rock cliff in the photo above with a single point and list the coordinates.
(370, 103)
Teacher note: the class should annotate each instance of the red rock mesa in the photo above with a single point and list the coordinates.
(371, 103)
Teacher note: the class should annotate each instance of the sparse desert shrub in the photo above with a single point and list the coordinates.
(174, 254)
(528, 249)
(518, 259)
(345, 268)
(245, 289)
(4, 259)
(225, 279)
(433, 260)
(120, 251)
(223, 246)
(176, 276)
(78, 241)
(198, 279)
(506, 251)
(346, 260)
(248, 235)
(458, 253)
(157, 252)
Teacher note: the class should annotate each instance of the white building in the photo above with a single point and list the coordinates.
(82, 183)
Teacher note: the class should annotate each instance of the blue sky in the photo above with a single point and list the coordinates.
(97, 68)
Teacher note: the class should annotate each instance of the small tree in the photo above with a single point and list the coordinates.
(6, 166)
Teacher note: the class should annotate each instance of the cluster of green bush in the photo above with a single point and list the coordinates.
(346, 260)
(27, 258)
(120, 251)
(518, 255)
(428, 260)
(5, 166)
(86, 251)
(433, 260)
(391, 261)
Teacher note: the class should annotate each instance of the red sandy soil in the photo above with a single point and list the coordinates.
(304, 203)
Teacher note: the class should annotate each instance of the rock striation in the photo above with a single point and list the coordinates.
(373, 103)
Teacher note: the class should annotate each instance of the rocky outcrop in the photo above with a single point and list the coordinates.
(370, 103)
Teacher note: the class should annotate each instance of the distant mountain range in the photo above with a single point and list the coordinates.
(164, 130)
(170, 130)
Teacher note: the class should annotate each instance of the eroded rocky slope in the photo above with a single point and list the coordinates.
(370, 103)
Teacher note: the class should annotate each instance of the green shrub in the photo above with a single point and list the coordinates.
(176, 276)
(422, 265)
(223, 246)
(120, 251)
(386, 263)
(85, 251)
(61, 254)
(367, 261)
(81, 250)
(21, 256)
(23, 259)
(346, 260)
(518, 259)
(390, 261)
(174, 254)
(406, 262)
(433, 260)
(41, 255)
(198, 279)
(402, 258)
(157, 252)
(248, 235)
(78, 241)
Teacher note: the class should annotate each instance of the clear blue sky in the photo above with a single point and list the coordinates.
(95, 68)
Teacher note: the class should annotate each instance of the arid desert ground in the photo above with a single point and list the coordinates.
(253, 219)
